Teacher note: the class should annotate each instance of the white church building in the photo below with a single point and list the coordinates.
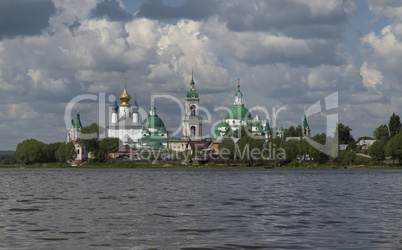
(125, 124)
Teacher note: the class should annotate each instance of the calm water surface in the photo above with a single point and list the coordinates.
(200, 208)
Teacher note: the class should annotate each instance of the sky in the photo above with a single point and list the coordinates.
(290, 54)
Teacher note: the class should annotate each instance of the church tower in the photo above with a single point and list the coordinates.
(192, 122)
(75, 131)
(305, 127)
(125, 107)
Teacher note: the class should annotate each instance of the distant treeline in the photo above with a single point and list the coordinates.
(7, 157)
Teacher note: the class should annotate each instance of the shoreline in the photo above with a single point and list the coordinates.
(169, 165)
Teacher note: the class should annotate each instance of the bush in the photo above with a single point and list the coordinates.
(348, 158)
(294, 163)
(363, 161)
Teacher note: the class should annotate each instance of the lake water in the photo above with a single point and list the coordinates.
(200, 208)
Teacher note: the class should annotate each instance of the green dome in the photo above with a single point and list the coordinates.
(255, 124)
(223, 124)
(155, 144)
(238, 92)
(162, 129)
(192, 94)
(238, 112)
(153, 121)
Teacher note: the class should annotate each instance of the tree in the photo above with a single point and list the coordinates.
(394, 147)
(344, 135)
(105, 145)
(7, 158)
(291, 149)
(51, 151)
(303, 147)
(89, 137)
(381, 132)
(377, 150)
(31, 151)
(226, 148)
(66, 152)
(249, 148)
(293, 132)
(394, 124)
(239, 133)
(317, 154)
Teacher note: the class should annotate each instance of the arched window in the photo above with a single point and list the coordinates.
(192, 110)
(192, 130)
(78, 151)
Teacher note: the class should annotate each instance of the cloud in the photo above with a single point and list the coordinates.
(263, 48)
(371, 77)
(286, 53)
(111, 10)
(389, 9)
(24, 17)
(299, 19)
(193, 10)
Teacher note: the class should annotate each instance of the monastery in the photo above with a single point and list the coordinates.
(151, 133)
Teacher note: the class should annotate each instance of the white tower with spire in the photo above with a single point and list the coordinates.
(125, 121)
(115, 110)
(192, 121)
(135, 110)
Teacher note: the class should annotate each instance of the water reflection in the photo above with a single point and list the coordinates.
(155, 208)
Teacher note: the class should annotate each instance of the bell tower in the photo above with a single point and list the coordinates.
(192, 121)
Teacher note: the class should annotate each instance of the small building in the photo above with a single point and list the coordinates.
(179, 144)
(214, 145)
(124, 152)
(365, 144)
(198, 147)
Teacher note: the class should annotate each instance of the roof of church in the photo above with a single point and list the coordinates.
(153, 121)
(223, 124)
(154, 136)
(267, 126)
(162, 129)
(255, 124)
(238, 92)
(238, 112)
(125, 97)
(304, 124)
(192, 93)
(77, 122)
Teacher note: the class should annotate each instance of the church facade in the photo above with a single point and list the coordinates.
(125, 125)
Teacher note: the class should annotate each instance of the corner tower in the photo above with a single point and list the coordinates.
(305, 128)
(192, 122)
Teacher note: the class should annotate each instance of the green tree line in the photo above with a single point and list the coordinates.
(388, 144)
(33, 151)
(389, 141)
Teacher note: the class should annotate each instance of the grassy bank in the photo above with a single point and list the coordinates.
(147, 164)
